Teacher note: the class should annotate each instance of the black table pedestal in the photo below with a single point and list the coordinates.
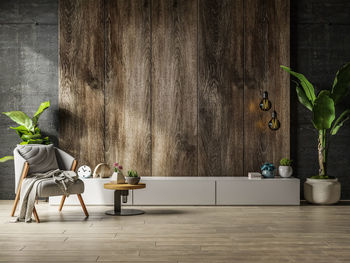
(118, 211)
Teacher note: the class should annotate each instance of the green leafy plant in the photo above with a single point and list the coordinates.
(132, 173)
(285, 162)
(28, 129)
(322, 107)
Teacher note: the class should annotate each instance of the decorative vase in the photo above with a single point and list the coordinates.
(322, 191)
(119, 178)
(133, 180)
(285, 171)
(268, 174)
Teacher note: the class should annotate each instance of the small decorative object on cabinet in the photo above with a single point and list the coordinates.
(323, 188)
(274, 123)
(118, 173)
(268, 170)
(133, 178)
(252, 175)
(265, 104)
(84, 171)
(285, 169)
(102, 170)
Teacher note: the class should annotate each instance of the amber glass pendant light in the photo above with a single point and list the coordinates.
(265, 104)
(274, 123)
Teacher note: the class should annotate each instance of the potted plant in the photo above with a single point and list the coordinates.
(285, 169)
(133, 177)
(118, 173)
(268, 170)
(28, 129)
(323, 188)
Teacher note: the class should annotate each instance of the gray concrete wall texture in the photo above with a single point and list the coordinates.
(29, 75)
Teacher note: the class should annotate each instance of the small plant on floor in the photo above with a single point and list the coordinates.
(132, 173)
(322, 108)
(286, 162)
(28, 129)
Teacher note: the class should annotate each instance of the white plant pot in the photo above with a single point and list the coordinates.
(118, 178)
(322, 191)
(285, 171)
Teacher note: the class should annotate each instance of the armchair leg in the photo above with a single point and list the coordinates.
(15, 204)
(62, 203)
(36, 215)
(83, 205)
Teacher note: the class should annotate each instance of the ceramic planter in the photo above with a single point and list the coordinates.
(285, 171)
(133, 180)
(118, 178)
(322, 191)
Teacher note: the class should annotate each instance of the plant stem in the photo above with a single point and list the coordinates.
(322, 153)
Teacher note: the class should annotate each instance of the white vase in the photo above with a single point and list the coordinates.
(322, 191)
(285, 171)
(118, 178)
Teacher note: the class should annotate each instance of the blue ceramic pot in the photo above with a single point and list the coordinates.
(268, 174)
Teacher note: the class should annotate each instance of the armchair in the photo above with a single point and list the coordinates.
(46, 188)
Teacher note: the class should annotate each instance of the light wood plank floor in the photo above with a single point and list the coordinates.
(180, 234)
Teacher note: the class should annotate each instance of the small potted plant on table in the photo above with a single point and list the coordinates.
(285, 169)
(133, 177)
(118, 173)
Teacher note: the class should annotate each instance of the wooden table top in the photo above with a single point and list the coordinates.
(113, 186)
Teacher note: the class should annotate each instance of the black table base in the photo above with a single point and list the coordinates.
(118, 211)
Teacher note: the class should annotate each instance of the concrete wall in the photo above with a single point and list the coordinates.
(29, 75)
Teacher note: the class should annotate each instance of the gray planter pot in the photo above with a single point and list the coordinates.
(322, 191)
(132, 180)
(285, 171)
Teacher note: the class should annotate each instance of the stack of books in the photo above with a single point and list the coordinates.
(254, 175)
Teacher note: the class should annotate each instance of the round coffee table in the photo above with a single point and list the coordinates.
(119, 191)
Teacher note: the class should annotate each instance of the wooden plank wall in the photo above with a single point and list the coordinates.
(171, 88)
(127, 94)
(220, 88)
(266, 47)
(174, 88)
(81, 81)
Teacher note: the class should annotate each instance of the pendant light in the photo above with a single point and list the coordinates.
(274, 123)
(265, 104)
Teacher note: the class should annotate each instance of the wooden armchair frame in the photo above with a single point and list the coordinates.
(24, 175)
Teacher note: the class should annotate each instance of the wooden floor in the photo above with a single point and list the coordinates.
(180, 234)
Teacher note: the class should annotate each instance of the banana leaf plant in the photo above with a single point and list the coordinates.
(322, 107)
(28, 129)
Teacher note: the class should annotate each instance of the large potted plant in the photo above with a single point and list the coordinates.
(323, 188)
(28, 129)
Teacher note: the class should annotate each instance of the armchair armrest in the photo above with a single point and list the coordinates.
(65, 160)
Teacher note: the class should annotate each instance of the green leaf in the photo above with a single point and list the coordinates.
(35, 141)
(340, 121)
(24, 143)
(323, 111)
(302, 97)
(341, 84)
(21, 118)
(27, 137)
(6, 158)
(307, 86)
(21, 130)
(43, 106)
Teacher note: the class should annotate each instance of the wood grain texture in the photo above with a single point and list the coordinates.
(266, 47)
(81, 93)
(128, 87)
(174, 88)
(220, 88)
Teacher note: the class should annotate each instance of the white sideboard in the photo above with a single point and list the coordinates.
(196, 191)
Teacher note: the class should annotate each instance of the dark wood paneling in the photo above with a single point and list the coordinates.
(266, 47)
(128, 102)
(174, 88)
(81, 93)
(220, 88)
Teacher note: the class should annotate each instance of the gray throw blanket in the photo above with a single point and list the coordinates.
(30, 185)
